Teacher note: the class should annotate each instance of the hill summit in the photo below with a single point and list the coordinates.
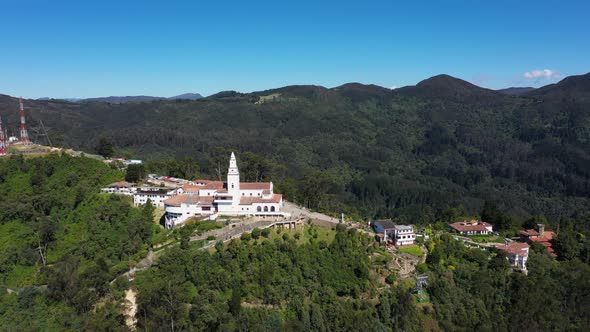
(448, 87)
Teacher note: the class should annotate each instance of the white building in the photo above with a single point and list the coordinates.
(121, 188)
(517, 253)
(473, 227)
(400, 235)
(156, 195)
(230, 198)
(404, 235)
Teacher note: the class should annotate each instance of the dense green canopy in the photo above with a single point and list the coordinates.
(362, 149)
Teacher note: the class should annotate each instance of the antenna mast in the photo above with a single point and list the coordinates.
(3, 150)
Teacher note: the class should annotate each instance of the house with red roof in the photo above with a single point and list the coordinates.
(473, 227)
(229, 198)
(541, 236)
(517, 253)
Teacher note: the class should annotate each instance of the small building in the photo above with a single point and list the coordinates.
(541, 236)
(385, 229)
(121, 188)
(399, 235)
(128, 162)
(473, 227)
(156, 195)
(404, 235)
(517, 253)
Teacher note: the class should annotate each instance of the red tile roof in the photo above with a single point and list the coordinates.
(515, 248)
(547, 236)
(529, 232)
(218, 185)
(255, 185)
(191, 187)
(189, 199)
(276, 198)
(473, 225)
(214, 185)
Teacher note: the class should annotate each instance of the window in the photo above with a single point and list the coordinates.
(259, 209)
(266, 209)
(272, 209)
(232, 186)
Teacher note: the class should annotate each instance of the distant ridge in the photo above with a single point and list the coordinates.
(516, 91)
(128, 99)
(122, 99)
(188, 96)
(576, 84)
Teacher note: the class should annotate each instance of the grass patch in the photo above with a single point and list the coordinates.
(306, 233)
(485, 238)
(412, 250)
(202, 226)
(21, 275)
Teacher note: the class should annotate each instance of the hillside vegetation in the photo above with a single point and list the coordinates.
(61, 242)
(363, 149)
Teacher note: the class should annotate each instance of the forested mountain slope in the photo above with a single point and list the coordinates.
(364, 149)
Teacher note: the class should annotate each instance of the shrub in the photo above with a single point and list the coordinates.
(245, 237)
(265, 232)
(390, 279)
(256, 233)
(422, 268)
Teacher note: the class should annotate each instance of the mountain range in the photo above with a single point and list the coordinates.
(362, 149)
(128, 99)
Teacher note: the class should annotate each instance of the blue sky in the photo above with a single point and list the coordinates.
(99, 48)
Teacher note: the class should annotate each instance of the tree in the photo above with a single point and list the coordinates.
(567, 245)
(105, 148)
(245, 237)
(265, 232)
(135, 173)
(189, 168)
(494, 216)
(256, 233)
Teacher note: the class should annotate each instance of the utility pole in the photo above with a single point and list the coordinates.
(45, 133)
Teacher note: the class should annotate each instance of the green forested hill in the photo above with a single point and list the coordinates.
(61, 242)
(364, 149)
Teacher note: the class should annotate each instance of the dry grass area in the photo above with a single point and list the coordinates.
(265, 99)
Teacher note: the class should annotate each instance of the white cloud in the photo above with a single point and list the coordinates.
(542, 73)
(393, 87)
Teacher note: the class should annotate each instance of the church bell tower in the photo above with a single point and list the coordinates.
(233, 180)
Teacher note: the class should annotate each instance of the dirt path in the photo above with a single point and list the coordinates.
(297, 211)
(130, 308)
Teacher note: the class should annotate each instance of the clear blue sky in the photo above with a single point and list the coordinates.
(98, 48)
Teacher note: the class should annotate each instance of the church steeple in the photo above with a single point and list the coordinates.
(233, 180)
(233, 165)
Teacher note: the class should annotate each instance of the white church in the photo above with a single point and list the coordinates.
(217, 198)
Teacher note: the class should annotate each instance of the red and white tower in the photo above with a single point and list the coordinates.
(3, 149)
(24, 134)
